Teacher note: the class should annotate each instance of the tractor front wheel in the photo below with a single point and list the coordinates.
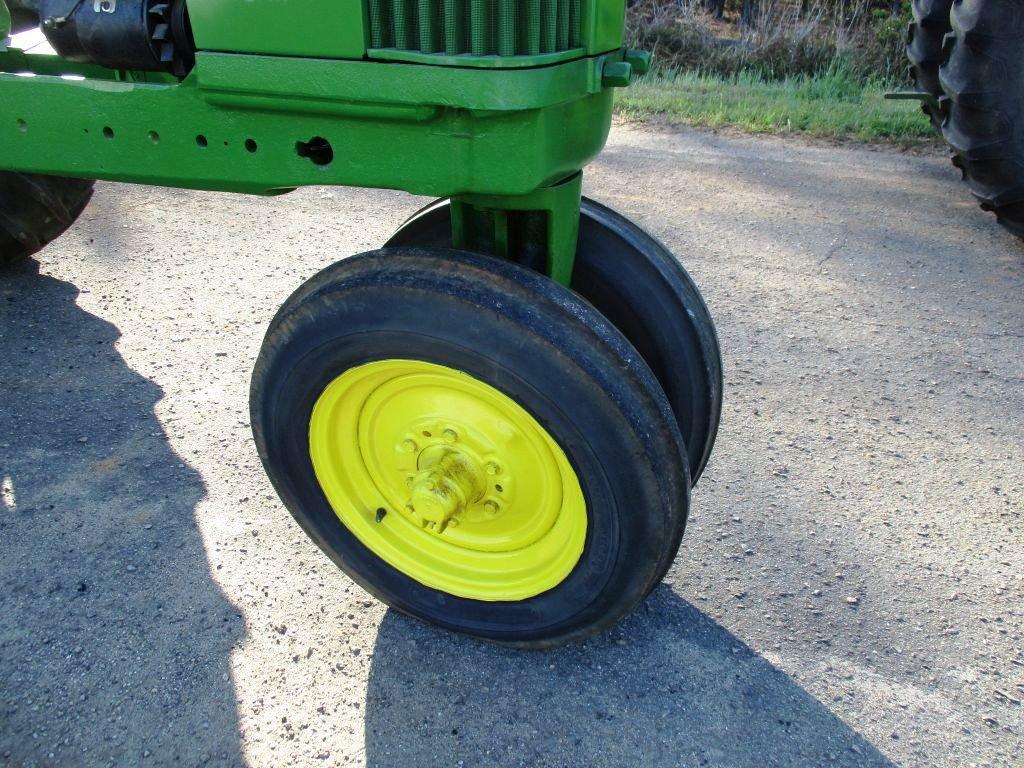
(472, 443)
(637, 284)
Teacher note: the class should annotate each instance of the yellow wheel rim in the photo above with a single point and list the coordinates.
(448, 480)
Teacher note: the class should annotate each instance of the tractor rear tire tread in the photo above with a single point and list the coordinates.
(924, 49)
(983, 76)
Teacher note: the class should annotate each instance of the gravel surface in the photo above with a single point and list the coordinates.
(849, 591)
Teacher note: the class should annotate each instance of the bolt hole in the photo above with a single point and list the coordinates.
(426, 433)
(108, 132)
(22, 125)
(154, 137)
(318, 150)
(202, 141)
(498, 488)
(250, 145)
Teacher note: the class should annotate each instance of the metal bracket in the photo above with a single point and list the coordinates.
(538, 229)
(925, 98)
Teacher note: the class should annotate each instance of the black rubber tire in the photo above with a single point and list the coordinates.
(636, 282)
(36, 209)
(924, 49)
(24, 15)
(533, 340)
(983, 76)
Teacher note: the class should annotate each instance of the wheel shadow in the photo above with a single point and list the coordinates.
(668, 687)
(114, 639)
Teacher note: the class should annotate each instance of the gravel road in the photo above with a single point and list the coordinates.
(849, 591)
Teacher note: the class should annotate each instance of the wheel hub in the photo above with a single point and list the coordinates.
(448, 480)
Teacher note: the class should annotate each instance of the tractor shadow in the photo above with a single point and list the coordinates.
(114, 639)
(668, 687)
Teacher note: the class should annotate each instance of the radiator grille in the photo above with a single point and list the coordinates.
(475, 27)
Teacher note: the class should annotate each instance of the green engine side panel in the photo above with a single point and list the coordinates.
(460, 33)
(245, 123)
(326, 29)
(603, 22)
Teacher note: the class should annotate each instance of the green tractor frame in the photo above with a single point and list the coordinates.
(493, 422)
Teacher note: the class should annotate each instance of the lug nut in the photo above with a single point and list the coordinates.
(450, 435)
(491, 507)
(493, 468)
(409, 445)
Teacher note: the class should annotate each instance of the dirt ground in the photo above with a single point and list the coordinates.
(849, 591)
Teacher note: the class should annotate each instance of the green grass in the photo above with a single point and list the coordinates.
(832, 105)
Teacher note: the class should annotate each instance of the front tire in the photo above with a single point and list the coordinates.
(636, 282)
(467, 342)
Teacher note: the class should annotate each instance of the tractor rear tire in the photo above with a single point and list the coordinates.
(924, 49)
(36, 209)
(983, 76)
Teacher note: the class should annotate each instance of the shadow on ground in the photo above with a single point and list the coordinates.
(669, 687)
(114, 639)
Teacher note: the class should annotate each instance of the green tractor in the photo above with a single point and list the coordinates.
(493, 422)
(967, 59)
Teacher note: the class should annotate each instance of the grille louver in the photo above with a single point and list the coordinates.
(475, 27)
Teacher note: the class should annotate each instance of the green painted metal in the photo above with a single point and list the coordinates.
(475, 62)
(531, 28)
(478, 27)
(428, 130)
(507, 28)
(494, 33)
(548, 20)
(639, 61)
(429, 27)
(601, 26)
(335, 29)
(616, 74)
(377, 25)
(928, 99)
(516, 101)
(482, 223)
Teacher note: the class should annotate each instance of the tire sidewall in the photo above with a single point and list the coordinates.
(443, 313)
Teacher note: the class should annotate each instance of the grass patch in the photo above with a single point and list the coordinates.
(831, 105)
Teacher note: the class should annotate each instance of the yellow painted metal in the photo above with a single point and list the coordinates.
(448, 480)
